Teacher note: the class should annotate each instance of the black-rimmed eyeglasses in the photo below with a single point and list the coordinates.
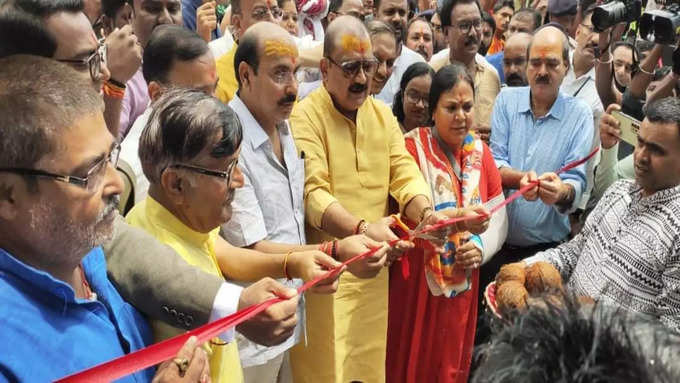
(227, 176)
(93, 61)
(91, 180)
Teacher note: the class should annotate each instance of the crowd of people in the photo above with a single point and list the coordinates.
(167, 163)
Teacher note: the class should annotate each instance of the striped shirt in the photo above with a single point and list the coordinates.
(628, 253)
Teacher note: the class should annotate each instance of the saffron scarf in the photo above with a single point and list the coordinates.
(453, 186)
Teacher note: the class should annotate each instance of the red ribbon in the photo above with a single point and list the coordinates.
(167, 349)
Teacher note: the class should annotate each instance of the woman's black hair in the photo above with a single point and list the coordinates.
(446, 79)
(414, 70)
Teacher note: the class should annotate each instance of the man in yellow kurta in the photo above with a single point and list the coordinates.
(189, 150)
(355, 159)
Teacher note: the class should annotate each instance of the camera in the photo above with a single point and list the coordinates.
(614, 12)
(661, 25)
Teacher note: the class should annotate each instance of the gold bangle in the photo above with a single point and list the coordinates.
(285, 265)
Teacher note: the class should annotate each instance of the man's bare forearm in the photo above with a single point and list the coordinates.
(510, 177)
(641, 80)
(112, 115)
(415, 207)
(338, 222)
(273, 247)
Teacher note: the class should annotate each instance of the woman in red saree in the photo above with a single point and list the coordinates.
(433, 297)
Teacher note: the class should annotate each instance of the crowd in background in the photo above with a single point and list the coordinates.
(167, 163)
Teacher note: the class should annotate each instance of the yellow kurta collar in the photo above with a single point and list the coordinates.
(163, 218)
(328, 100)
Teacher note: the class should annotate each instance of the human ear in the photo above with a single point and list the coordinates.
(173, 184)
(10, 189)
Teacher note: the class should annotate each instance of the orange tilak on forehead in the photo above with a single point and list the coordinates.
(546, 51)
(423, 31)
(280, 48)
(352, 43)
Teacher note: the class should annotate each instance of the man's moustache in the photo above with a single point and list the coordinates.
(287, 99)
(543, 80)
(111, 205)
(472, 40)
(357, 88)
(515, 80)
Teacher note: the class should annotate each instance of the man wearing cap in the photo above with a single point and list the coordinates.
(563, 12)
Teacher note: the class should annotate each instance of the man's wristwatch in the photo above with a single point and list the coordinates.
(567, 200)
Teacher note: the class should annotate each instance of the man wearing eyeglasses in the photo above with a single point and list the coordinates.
(462, 20)
(355, 158)
(58, 201)
(138, 277)
(60, 30)
(268, 211)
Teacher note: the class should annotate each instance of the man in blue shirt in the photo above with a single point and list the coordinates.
(58, 199)
(535, 131)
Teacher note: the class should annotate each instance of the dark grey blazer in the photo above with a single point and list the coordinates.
(158, 281)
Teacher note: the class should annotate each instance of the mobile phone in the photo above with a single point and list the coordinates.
(629, 127)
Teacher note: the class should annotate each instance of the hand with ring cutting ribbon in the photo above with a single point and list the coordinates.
(381, 231)
(468, 255)
(190, 365)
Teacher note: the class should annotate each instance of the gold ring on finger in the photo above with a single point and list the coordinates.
(182, 364)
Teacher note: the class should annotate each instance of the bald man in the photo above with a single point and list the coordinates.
(355, 158)
(515, 59)
(268, 211)
(535, 131)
